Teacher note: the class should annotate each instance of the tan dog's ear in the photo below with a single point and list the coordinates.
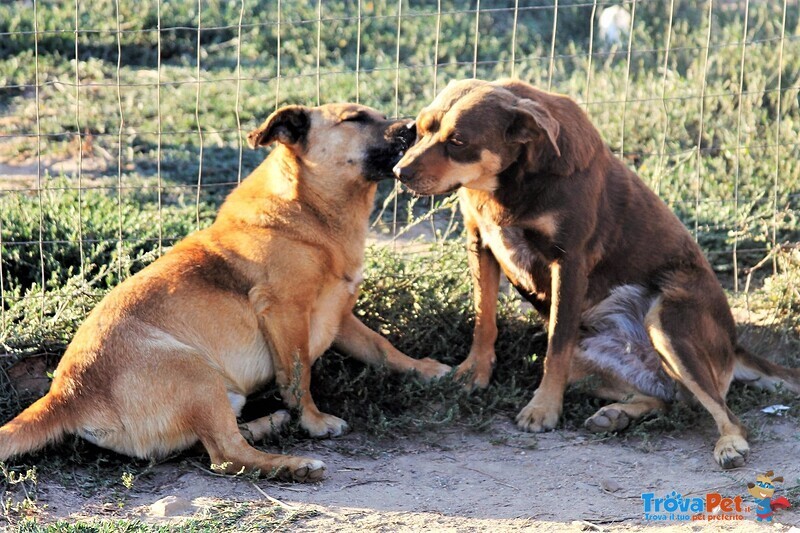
(530, 118)
(288, 125)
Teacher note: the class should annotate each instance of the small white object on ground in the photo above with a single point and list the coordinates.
(171, 506)
(776, 409)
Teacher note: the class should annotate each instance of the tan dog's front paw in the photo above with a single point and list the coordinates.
(431, 369)
(302, 469)
(539, 415)
(731, 451)
(474, 375)
(322, 425)
(309, 470)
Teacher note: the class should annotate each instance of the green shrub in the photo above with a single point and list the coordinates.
(83, 229)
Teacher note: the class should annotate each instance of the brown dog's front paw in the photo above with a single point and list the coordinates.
(539, 415)
(474, 375)
(322, 425)
(607, 420)
(731, 451)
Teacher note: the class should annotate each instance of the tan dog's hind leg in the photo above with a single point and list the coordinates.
(485, 271)
(215, 424)
(264, 427)
(701, 379)
(358, 341)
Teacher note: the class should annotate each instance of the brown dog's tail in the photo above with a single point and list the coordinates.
(41, 423)
(757, 371)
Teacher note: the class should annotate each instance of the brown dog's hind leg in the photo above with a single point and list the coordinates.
(215, 424)
(701, 368)
(628, 406)
(629, 403)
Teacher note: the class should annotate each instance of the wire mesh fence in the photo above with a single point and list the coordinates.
(122, 122)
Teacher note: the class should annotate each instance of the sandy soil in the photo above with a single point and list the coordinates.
(501, 480)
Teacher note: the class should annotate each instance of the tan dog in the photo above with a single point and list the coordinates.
(170, 355)
(625, 290)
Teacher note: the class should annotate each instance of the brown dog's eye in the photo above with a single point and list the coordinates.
(456, 141)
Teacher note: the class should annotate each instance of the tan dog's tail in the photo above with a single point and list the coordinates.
(38, 425)
(758, 371)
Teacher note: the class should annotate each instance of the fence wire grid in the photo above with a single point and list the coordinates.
(123, 122)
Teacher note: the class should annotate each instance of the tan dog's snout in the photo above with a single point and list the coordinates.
(403, 169)
(389, 144)
(404, 132)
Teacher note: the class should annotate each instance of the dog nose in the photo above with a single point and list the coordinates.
(403, 173)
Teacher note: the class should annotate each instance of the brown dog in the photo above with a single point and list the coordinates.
(169, 356)
(625, 290)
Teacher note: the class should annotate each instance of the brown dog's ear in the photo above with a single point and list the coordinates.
(778, 479)
(751, 485)
(288, 125)
(530, 118)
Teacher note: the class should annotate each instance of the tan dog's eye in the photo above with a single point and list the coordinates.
(356, 117)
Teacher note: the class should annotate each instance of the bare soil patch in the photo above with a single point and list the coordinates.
(500, 480)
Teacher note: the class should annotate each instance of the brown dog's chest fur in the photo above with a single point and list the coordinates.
(521, 256)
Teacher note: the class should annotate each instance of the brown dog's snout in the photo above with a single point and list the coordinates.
(403, 172)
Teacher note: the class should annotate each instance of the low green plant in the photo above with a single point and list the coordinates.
(85, 229)
(222, 516)
(18, 493)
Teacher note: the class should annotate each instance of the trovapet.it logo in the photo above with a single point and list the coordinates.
(713, 506)
(676, 507)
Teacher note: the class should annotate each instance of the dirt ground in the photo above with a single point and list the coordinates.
(501, 480)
